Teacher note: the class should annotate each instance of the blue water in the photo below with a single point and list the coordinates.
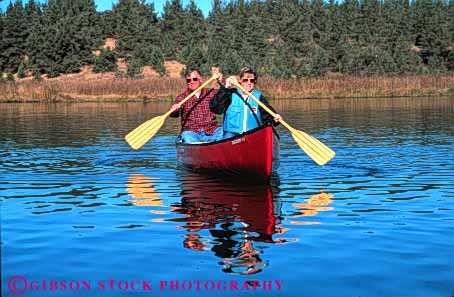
(82, 214)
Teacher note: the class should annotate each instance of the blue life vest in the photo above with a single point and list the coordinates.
(239, 117)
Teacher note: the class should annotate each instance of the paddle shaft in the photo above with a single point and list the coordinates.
(315, 149)
(192, 94)
(273, 114)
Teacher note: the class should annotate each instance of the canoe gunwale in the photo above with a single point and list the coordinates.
(229, 139)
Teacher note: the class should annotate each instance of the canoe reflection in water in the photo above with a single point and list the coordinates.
(237, 217)
(237, 222)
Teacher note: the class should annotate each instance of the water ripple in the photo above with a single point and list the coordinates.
(77, 201)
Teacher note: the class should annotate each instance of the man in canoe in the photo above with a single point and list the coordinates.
(241, 113)
(198, 122)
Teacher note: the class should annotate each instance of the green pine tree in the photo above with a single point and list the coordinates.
(37, 76)
(14, 35)
(135, 68)
(63, 41)
(105, 62)
(157, 60)
(168, 47)
(172, 23)
(21, 71)
(10, 77)
(136, 29)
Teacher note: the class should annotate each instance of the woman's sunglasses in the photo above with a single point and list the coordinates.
(251, 80)
(188, 80)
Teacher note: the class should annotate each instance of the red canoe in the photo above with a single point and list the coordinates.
(252, 155)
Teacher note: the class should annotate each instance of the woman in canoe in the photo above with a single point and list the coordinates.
(241, 113)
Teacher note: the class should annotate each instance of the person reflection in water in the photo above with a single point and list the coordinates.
(194, 242)
(236, 218)
(247, 262)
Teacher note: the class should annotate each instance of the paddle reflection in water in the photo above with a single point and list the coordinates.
(236, 222)
(312, 207)
(141, 189)
(237, 218)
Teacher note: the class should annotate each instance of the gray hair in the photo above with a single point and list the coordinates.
(248, 70)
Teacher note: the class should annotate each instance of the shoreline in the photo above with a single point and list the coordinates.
(106, 88)
(170, 100)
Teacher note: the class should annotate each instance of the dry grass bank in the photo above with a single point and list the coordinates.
(106, 87)
(361, 86)
(112, 89)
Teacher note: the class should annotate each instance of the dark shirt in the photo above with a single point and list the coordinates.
(223, 98)
(195, 113)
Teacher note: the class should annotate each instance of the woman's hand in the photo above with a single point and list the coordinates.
(229, 81)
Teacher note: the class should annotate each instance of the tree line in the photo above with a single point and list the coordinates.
(279, 38)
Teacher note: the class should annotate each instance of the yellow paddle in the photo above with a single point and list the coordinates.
(314, 148)
(142, 134)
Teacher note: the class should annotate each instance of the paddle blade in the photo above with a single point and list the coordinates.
(142, 134)
(314, 148)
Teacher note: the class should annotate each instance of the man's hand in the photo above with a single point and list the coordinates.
(277, 118)
(219, 77)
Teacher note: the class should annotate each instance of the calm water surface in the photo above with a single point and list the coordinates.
(82, 214)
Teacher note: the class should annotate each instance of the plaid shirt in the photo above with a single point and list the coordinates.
(195, 113)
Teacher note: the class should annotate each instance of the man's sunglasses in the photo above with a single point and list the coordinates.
(251, 80)
(188, 80)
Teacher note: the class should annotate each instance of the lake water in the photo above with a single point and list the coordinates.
(82, 214)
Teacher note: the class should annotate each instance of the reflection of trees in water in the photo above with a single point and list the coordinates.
(77, 125)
